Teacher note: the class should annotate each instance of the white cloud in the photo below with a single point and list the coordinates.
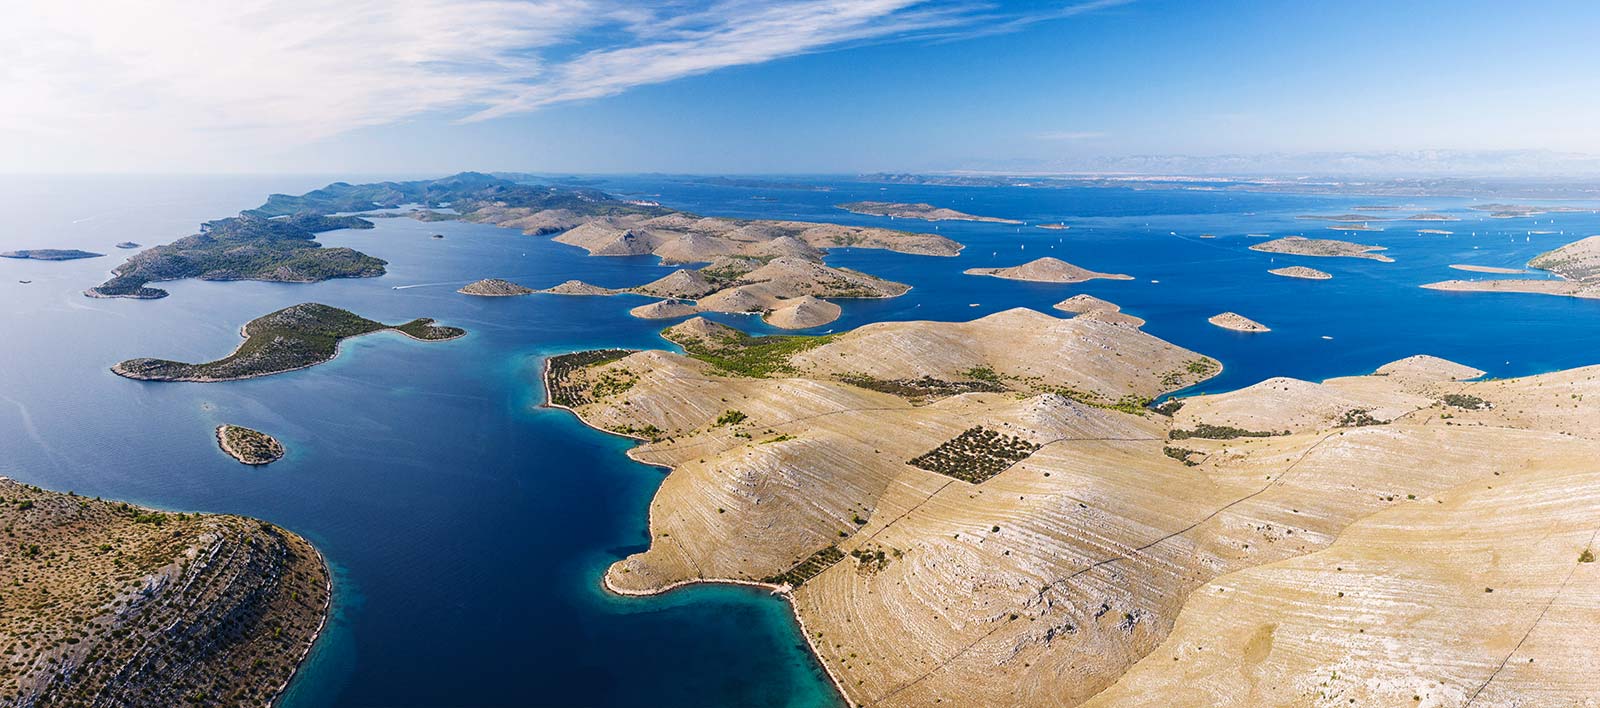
(174, 73)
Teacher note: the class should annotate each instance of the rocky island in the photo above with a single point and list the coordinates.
(250, 447)
(1486, 269)
(495, 287)
(926, 212)
(1301, 246)
(986, 513)
(1047, 270)
(1091, 307)
(127, 245)
(50, 254)
(1237, 323)
(109, 604)
(785, 291)
(1301, 272)
(295, 337)
(1577, 264)
(1518, 211)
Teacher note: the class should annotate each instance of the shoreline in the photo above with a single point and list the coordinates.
(327, 612)
(222, 442)
(780, 591)
(338, 348)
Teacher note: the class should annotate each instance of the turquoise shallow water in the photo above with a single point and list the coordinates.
(468, 528)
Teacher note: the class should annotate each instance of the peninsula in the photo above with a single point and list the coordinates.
(1301, 272)
(1301, 246)
(250, 447)
(295, 337)
(926, 212)
(50, 254)
(1237, 323)
(985, 513)
(1047, 270)
(1091, 307)
(117, 605)
(1486, 269)
(1577, 264)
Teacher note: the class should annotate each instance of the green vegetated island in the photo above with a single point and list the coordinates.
(1576, 265)
(110, 604)
(1322, 247)
(250, 447)
(926, 212)
(244, 247)
(293, 338)
(50, 254)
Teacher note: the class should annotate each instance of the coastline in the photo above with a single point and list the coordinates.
(338, 348)
(782, 591)
(327, 611)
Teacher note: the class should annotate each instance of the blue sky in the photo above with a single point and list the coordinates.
(771, 86)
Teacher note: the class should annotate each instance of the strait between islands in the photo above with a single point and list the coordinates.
(991, 513)
(1577, 265)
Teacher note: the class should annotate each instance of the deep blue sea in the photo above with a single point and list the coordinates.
(468, 528)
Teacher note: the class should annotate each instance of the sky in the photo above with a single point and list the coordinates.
(794, 86)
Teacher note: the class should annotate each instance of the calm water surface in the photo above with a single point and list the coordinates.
(468, 528)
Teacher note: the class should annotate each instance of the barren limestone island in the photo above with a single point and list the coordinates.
(1301, 272)
(293, 338)
(988, 513)
(108, 604)
(1237, 323)
(50, 254)
(1047, 270)
(250, 447)
(926, 212)
(1302, 246)
(1576, 264)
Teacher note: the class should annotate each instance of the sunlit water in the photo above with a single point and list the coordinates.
(468, 528)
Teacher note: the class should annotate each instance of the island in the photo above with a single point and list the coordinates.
(495, 287)
(1518, 211)
(107, 603)
(1486, 269)
(50, 254)
(785, 291)
(1301, 272)
(1321, 247)
(1047, 270)
(991, 513)
(1576, 265)
(1237, 323)
(127, 244)
(245, 247)
(250, 447)
(1053, 227)
(293, 338)
(1343, 218)
(1429, 216)
(1091, 307)
(1440, 232)
(926, 212)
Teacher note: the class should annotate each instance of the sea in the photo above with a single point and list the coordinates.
(468, 527)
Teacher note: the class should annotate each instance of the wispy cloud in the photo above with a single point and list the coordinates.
(299, 70)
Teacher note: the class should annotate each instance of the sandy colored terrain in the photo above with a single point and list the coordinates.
(979, 513)
(1301, 246)
(1047, 270)
(1301, 272)
(495, 287)
(926, 212)
(1091, 307)
(1237, 322)
(685, 238)
(1486, 269)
